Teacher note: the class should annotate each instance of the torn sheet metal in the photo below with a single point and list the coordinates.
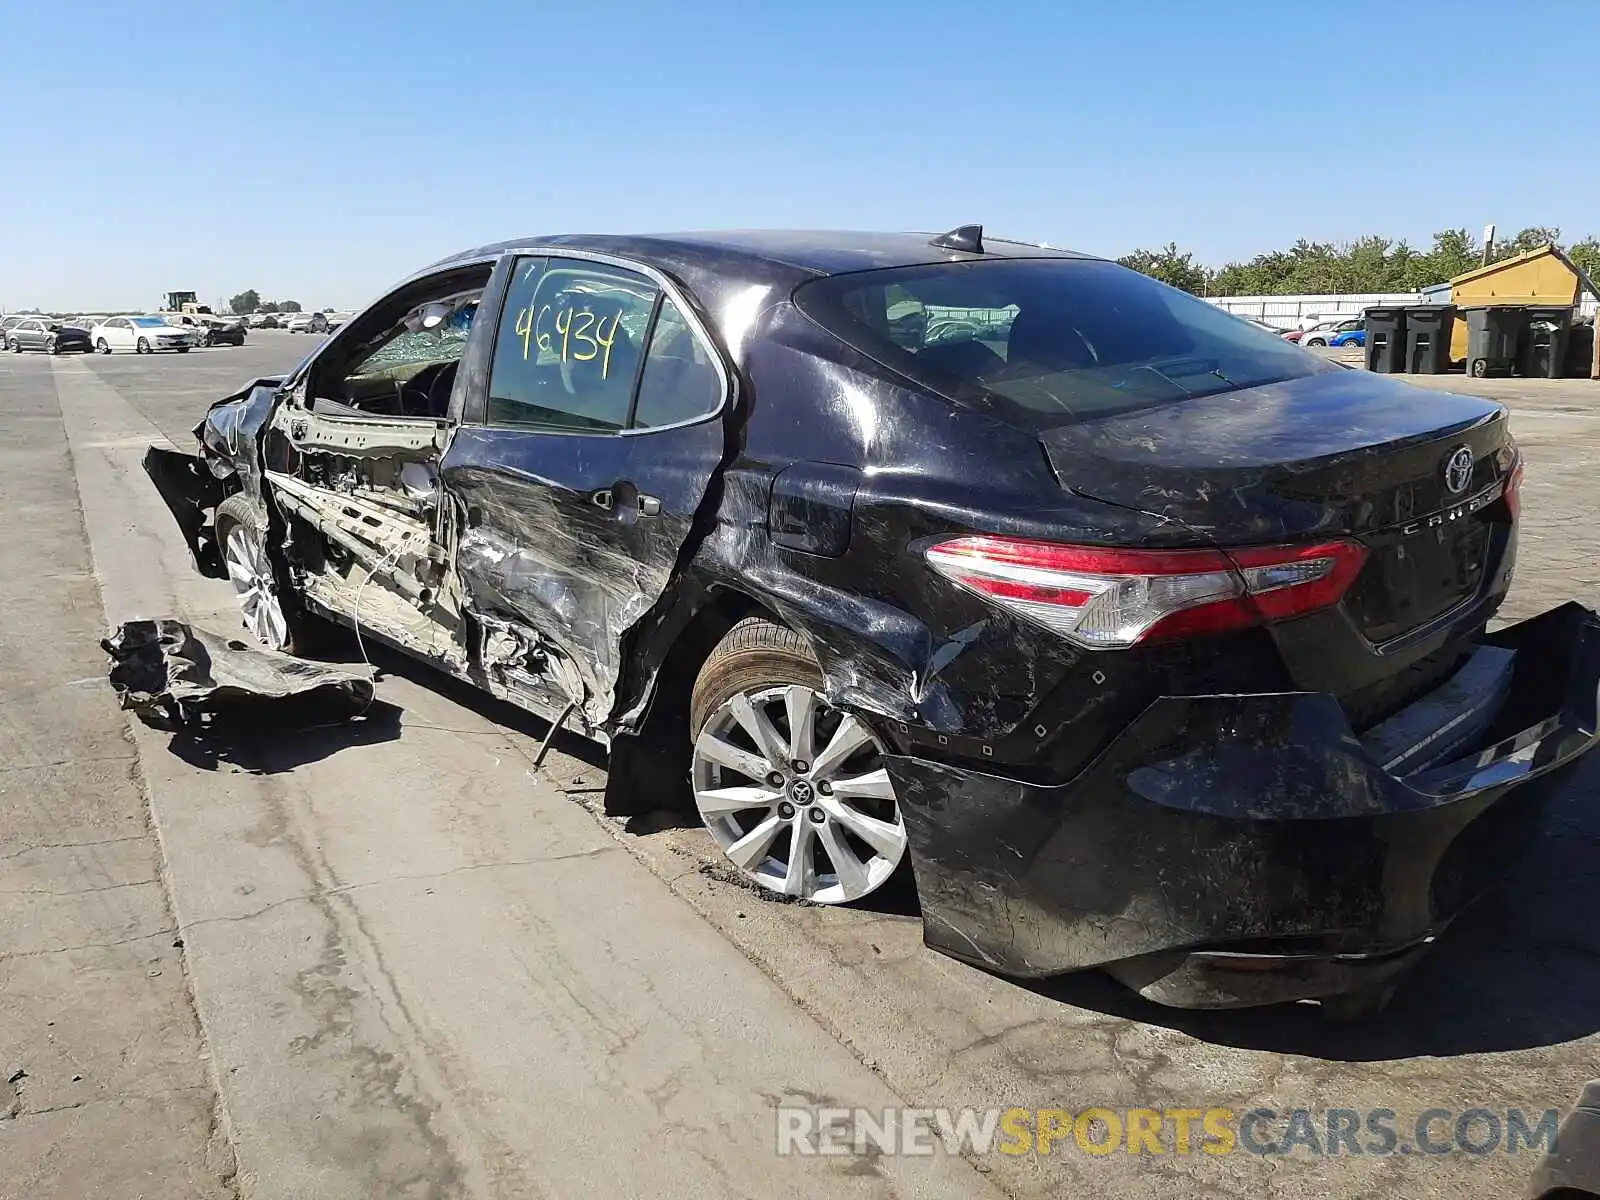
(191, 491)
(172, 675)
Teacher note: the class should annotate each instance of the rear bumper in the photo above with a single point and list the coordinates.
(1247, 849)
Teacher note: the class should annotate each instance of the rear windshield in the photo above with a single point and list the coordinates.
(1047, 340)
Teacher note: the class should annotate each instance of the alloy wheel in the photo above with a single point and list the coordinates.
(255, 587)
(796, 795)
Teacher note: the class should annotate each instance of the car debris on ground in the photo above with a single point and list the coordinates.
(172, 676)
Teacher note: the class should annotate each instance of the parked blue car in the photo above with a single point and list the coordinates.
(1349, 337)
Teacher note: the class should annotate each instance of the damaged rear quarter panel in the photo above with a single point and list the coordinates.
(894, 641)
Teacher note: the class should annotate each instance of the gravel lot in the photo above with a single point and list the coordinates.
(421, 970)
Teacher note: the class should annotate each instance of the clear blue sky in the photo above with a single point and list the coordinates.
(322, 150)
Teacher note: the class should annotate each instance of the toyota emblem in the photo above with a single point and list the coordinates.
(1458, 470)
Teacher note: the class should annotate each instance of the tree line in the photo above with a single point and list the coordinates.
(250, 301)
(1368, 264)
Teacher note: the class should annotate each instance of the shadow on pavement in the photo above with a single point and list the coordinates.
(268, 746)
(1518, 969)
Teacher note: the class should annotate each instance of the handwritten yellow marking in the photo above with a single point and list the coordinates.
(577, 327)
(524, 327)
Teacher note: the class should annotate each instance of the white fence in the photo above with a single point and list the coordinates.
(1288, 312)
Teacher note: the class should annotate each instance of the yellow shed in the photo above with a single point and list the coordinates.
(1541, 276)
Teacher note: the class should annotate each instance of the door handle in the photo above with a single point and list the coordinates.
(649, 506)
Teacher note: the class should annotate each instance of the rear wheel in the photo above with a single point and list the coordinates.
(257, 584)
(101, 346)
(1479, 367)
(793, 790)
(1316, 342)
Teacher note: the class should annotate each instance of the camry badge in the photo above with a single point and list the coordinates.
(1458, 470)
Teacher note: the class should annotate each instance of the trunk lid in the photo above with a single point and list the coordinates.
(1336, 454)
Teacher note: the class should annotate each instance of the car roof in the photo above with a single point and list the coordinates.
(803, 251)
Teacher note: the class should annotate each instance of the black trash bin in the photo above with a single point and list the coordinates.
(1386, 340)
(1493, 333)
(1543, 351)
(1428, 331)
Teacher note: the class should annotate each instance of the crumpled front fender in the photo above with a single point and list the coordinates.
(192, 492)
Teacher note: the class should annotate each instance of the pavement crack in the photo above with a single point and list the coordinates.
(127, 941)
(73, 761)
(89, 891)
(366, 885)
(132, 837)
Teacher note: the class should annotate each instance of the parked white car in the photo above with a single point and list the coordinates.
(1323, 332)
(142, 335)
(305, 322)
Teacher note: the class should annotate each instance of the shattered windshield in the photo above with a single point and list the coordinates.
(1046, 339)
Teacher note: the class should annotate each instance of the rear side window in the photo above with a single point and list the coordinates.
(569, 347)
(1049, 340)
(679, 383)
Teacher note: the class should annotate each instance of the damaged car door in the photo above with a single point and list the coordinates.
(352, 456)
(578, 471)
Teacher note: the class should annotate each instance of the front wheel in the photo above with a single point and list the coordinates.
(183, 349)
(793, 790)
(101, 346)
(142, 346)
(261, 590)
(16, 346)
(205, 339)
(1479, 367)
(1316, 342)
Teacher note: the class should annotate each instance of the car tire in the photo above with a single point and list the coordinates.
(142, 346)
(16, 346)
(1478, 368)
(52, 347)
(267, 604)
(101, 347)
(183, 349)
(1316, 342)
(778, 772)
(205, 339)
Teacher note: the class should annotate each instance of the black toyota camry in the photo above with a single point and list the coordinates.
(1143, 638)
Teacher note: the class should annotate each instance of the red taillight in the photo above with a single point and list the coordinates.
(1108, 598)
(1514, 488)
